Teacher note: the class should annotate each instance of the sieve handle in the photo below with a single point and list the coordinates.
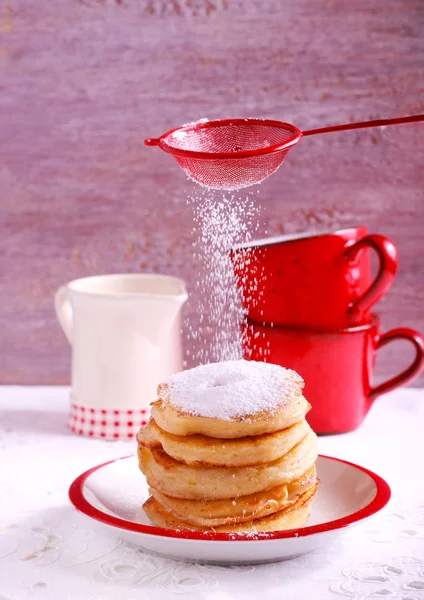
(366, 124)
(152, 142)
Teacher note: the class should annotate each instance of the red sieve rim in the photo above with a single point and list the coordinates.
(161, 141)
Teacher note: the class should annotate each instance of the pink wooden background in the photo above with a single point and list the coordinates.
(82, 82)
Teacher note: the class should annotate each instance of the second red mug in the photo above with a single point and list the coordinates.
(337, 366)
(314, 280)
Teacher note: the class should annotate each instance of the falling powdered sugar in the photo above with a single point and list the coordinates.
(232, 390)
(222, 222)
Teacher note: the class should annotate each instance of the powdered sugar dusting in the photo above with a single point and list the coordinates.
(199, 122)
(232, 390)
(215, 314)
(181, 133)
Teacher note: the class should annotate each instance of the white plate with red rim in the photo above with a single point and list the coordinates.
(113, 493)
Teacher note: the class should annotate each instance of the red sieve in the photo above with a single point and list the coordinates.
(230, 154)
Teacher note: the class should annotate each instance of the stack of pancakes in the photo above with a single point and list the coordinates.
(251, 472)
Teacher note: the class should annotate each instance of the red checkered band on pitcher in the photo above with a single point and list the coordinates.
(106, 424)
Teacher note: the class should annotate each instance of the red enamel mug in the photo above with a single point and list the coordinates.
(337, 366)
(314, 280)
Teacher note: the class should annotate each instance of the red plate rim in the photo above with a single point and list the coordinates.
(296, 136)
(79, 501)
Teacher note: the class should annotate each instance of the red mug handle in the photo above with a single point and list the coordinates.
(417, 341)
(388, 259)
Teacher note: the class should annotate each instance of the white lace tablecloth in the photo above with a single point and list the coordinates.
(49, 551)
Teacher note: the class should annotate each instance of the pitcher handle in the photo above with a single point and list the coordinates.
(414, 368)
(388, 264)
(63, 310)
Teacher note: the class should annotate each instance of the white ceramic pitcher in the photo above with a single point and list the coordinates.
(125, 332)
